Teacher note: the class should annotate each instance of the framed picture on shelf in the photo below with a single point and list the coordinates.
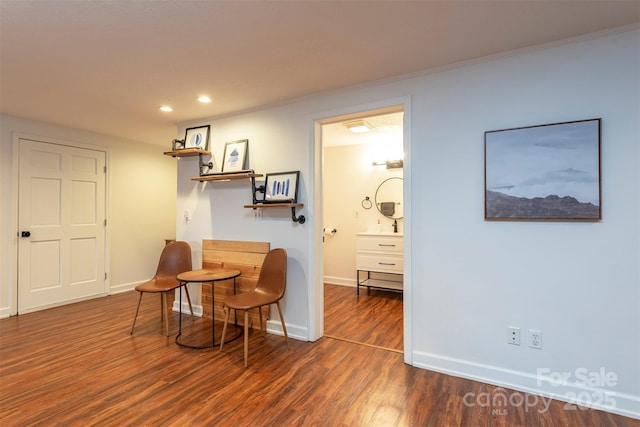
(235, 155)
(281, 187)
(197, 137)
(543, 173)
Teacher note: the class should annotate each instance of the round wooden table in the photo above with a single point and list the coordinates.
(211, 275)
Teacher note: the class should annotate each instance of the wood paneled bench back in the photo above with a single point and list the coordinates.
(244, 256)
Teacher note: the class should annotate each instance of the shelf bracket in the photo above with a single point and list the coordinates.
(255, 190)
(203, 165)
(300, 219)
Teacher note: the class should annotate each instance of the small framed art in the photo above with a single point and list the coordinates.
(543, 173)
(235, 155)
(197, 137)
(281, 187)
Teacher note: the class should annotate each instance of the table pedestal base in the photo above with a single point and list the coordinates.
(207, 276)
(200, 332)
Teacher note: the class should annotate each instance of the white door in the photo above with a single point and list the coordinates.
(61, 219)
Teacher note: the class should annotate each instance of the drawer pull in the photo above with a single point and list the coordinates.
(387, 263)
(380, 244)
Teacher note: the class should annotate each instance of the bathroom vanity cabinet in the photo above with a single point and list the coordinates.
(379, 253)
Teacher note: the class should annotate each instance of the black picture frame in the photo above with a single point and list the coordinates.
(281, 187)
(197, 137)
(235, 155)
(547, 172)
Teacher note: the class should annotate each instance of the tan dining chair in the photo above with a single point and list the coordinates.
(175, 259)
(269, 289)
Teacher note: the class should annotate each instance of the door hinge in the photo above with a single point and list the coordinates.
(105, 222)
(105, 169)
(105, 275)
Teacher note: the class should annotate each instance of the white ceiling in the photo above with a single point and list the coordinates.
(106, 66)
(385, 128)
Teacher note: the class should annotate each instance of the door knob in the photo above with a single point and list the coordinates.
(25, 234)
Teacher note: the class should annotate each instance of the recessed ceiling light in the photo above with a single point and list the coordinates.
(166, 109)
(204, 99)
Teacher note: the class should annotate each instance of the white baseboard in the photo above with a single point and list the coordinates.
(293, 331)
(342, 281)
(197, 309)
(124, 287)
(570, 391)
(117, 289)
(5, 312)
(273, 326)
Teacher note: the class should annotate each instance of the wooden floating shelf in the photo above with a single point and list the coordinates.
(226, 176)
(186, 152)
(293, 206)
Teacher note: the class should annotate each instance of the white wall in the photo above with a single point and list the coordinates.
(349, 177)
(217, 210)
(142, 204)
(578, 283)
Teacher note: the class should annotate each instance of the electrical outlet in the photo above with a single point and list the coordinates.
(513, 335)
(257, 214)
(535, 339)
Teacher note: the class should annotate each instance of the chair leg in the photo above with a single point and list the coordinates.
(162, 307)
(246, 337)
(260, 313)
(136, 315)
(284, 328)
(166, 315)
(186, 291)
(227, 312)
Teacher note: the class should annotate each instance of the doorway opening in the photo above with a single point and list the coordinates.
(354, 167)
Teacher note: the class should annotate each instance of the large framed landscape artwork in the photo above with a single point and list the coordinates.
(543, 173)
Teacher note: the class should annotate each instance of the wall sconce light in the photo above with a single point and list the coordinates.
(391, 164)
(395, 164)
(358, 126)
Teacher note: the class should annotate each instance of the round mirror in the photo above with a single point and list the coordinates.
(389, 198)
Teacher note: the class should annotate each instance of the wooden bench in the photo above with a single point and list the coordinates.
(244, 256)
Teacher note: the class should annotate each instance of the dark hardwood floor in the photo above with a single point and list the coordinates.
(373, 318)
(78, 365)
